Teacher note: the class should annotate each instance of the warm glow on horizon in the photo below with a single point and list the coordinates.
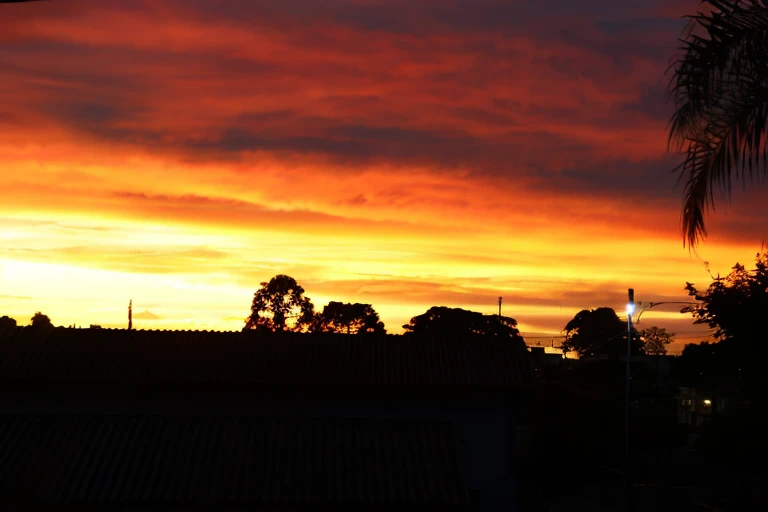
(179, 153)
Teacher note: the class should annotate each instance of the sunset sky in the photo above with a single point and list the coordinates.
(400, 153)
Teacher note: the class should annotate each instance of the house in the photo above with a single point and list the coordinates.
(543, 357)
(695, 406)
(168, 419)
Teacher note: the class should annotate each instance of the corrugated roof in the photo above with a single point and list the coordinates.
(60, 354)
(163, 460)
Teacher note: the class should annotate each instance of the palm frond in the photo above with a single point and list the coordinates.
(720, 88)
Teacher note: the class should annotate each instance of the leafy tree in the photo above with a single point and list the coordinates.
(721, 99)
(655, 340)
(280, 305)
(598, 331)
(7, 322)
(449, 322)
(41, 320)
(734, 306)
(701, 364)
(348, 318)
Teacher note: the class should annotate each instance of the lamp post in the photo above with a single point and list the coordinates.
(642, 307)
(630, 311)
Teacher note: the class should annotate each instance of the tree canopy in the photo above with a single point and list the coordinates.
(719, 88)
(734, 306)
(7, 322)
(701, 364)
(655, 340)
(280, 305)
(338, 317)
(448, 322)
(40, 320)
(598, 331)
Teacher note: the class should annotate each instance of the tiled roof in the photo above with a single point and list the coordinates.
(60, 354)
(177, 460)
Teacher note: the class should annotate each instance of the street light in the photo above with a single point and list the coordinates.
(644, 306)
(630, 311)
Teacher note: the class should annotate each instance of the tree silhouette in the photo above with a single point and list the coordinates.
(701, 362)
(734, 307)
(721, 98)
(598, 331)
(348, 319)
(280, 305)
(7, 322)
(450, 322)
(41, 320)
(655, 340)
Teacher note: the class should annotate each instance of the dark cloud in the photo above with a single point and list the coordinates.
(387, 18)
(67, 68)
(9, 119)
(652, 103)
(650, 180)
(353, 144)
(641, 25)
(486, 117)
(618, 29)
(358, 200)
(91, 116)
(237, 140)
(507, 104)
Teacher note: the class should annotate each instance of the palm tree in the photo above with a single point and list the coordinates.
(720, 88)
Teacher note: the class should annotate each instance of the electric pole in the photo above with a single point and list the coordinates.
(627, 470)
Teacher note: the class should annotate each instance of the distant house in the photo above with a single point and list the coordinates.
(543, 357)
(156, 419)
(658, 366)
(695, 406)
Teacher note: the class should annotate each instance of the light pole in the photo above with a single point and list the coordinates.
(630, 311)
(644, 306)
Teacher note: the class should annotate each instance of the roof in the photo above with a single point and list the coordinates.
(177, 460)
(106, 355)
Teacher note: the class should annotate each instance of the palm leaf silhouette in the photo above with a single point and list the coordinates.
(719, 84)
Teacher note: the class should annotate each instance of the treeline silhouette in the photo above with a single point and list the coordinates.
(281, 306)
(38, 320)
(732, 306)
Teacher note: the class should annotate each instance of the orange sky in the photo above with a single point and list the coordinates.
(404, 154)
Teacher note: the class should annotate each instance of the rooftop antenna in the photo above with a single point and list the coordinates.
(130, 314)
